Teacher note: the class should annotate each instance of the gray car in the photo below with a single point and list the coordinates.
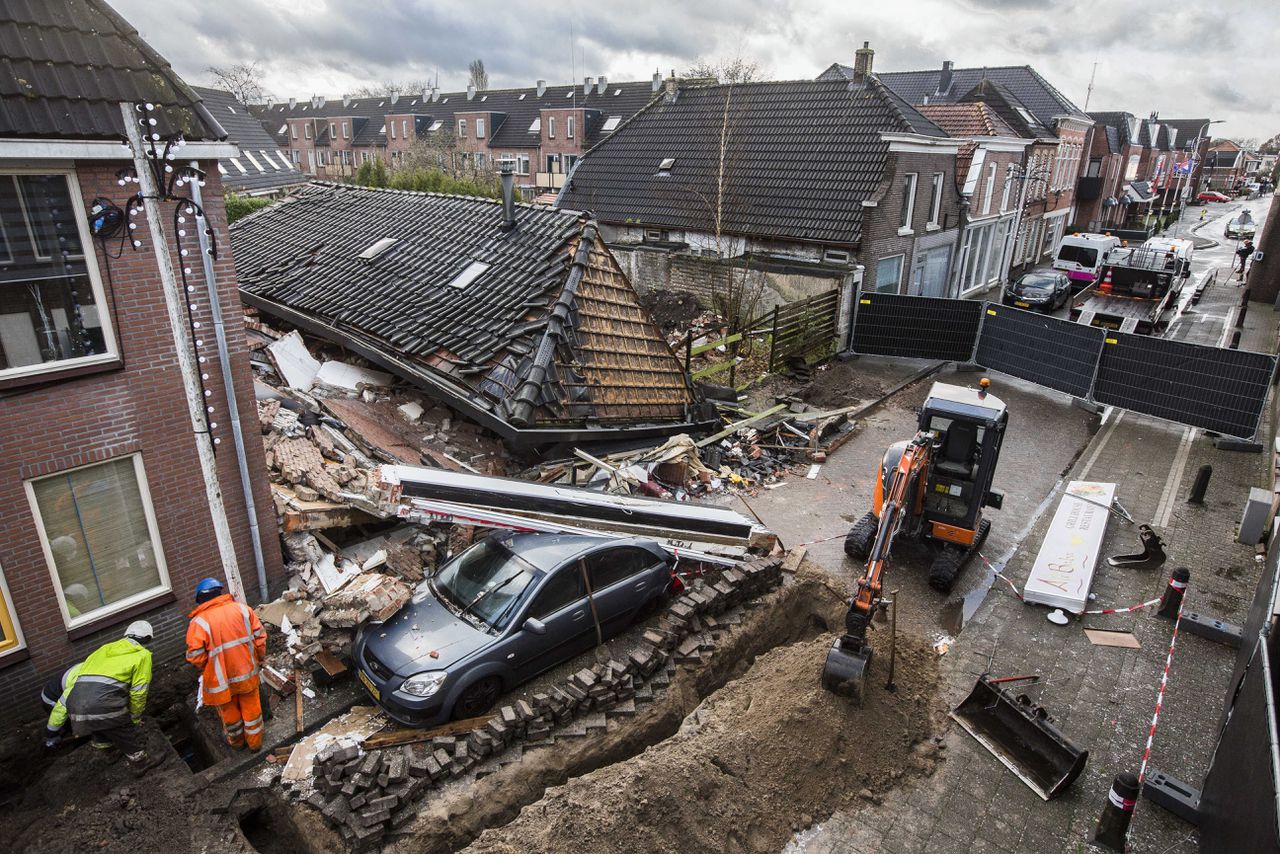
(500, 613)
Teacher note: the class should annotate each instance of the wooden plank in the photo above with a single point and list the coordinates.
(319, 518)
(738, 425)
(331, 663)
(396, 737)
(1123, 640)
(711, 345)
(297, 706)
(712, 370)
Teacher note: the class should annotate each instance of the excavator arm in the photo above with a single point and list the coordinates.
(848, 658)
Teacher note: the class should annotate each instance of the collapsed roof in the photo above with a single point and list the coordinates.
(533, 331)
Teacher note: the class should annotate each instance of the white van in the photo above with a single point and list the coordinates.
(1080, 255)
(1181, 249)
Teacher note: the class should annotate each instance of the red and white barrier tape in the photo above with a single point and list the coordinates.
(1164, 681)
(1128, 610)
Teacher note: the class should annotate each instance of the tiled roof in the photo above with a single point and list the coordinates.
(802, 157)
(1188, 130)
(1120, 122)
(1009, 108)
(536, 327)
(272, 169)
(1031, 90)
(518, 109)
(1113, 140)
(965, 121)
(66, 66)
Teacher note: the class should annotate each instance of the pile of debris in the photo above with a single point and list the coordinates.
(369, 794)
(757, 451)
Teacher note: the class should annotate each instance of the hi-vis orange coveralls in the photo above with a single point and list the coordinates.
(226, 641)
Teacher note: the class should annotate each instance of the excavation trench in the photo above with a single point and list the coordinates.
(640, 772)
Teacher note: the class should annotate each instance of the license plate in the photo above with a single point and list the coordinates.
(1022, 304)
(368, 683)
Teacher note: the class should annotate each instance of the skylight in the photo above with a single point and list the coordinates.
(617, 92)
(270, 159)
(522, 95)
(240, 166)
(379, 246)
(611, 124)
(284, 127)
(569, 94)
(484, 97)
(469, 274)
(381, 103)
(222, 169)
(667, 163)
(413, 103)
(435, 126)
(444, 101)
(384, 128)
(536, 127)
(256, 165)
(1027, 117)
(231, 109)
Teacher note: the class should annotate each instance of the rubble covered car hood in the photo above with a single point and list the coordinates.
(405, 642)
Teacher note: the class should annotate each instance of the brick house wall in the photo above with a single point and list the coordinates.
(881, 224)
(135, 406)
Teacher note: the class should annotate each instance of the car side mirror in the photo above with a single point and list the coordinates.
(534, 626)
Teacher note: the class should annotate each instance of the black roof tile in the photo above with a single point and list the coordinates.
(248, 134)
(804, 155)
(65, 67)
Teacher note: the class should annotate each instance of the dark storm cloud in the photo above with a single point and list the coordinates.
(1191, 59)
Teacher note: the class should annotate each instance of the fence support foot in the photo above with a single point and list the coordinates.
(1227, 443)
(1087, 405)
(969, 367)
(1174, 795)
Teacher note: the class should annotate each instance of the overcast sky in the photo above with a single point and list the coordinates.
(1218, 59)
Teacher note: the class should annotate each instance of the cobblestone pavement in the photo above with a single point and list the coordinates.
(1101, 697)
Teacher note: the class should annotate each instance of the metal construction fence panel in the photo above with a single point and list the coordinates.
(1218, 389)
(916, 327)
(1040, 349)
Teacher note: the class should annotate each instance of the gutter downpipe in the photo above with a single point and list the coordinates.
(184, 351)
(228, 383)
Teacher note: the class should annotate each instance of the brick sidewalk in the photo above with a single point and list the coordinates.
(1102, 697)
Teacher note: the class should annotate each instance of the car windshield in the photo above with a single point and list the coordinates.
(1085, 256)
(1035, 282)
(484, 581)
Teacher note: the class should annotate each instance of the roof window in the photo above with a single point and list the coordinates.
(1026, 117)
(284, 127)
(231, 109)
(380, 246)
(484, 97)
(469, 274)
(436, 125)
(256, 165)
(522, 96)
(222, 169)
(240, 166)
(617, 92)
(666, 164)
(536, 127)
(611, 124)
(569, 94)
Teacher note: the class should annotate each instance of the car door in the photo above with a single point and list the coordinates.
(560, 603)
(620, 584)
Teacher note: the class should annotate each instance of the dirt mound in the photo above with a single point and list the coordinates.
(839, 384)
(671, 311)
(764, 756)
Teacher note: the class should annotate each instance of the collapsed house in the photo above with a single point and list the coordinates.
(517, 317)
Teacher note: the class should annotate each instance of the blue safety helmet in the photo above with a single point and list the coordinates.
(208, 584)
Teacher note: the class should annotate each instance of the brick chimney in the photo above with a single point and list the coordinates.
(602, 83)
(862, 59)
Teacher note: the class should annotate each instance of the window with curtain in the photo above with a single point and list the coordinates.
(889, 274)
(103, 548)
(50, 301)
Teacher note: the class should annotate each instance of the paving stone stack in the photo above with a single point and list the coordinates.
(368, 795)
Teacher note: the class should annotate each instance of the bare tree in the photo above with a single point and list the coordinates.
(479, 77)
(727, 69)
(1248, 143)
(244, 80)
(391, 87)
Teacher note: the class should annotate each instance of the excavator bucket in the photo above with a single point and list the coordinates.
(845, 669)
(1019, 734)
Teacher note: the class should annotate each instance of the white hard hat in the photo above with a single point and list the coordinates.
(139, 630)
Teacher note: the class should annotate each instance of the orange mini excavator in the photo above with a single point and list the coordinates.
(931, 488)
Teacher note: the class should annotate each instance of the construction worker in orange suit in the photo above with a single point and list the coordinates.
(225, 639)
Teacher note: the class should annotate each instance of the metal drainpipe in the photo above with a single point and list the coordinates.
(174, 301)
(228, 383)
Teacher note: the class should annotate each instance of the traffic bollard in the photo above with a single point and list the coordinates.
(1171, 601)
(1112, 831)
(1201, 486)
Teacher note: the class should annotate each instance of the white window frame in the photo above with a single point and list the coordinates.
(902, 264)
(462, 127)
(1008, 188)
(404, 128)
(479, 128)
(293, 128)
(937, 182)
(522, 164)
(989, 191)
(912, 179)
(569, 127)
(551, 127)
(392, 125)
(153, 530)
(15, 625)
(346, 130)
(91, 270)
(333, 130)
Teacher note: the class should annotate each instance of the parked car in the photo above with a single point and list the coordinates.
(1240, 227)
(1212, 196)
(500, 613)
(1045, 289)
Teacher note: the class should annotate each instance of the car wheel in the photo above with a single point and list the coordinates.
(478, 698)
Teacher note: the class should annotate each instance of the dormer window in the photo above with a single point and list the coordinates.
(611, 124)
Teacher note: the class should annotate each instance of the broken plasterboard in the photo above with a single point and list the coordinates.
(350, 378)
(1124, 640)
(1064, 567)
(294, 362)
(333, 575)
(353, 727)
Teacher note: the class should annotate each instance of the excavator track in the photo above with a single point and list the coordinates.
(950, 560)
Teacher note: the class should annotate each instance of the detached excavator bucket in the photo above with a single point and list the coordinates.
(846, 668)
(1020, 736)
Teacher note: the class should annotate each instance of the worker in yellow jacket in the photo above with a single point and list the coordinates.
(106, 698)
